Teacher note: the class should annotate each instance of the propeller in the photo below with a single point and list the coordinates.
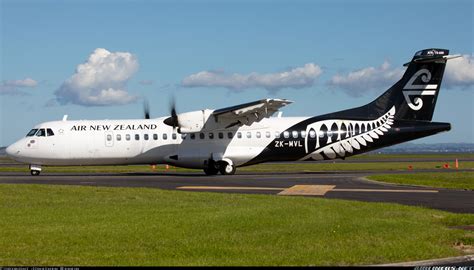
(173, 119)
(146, 109)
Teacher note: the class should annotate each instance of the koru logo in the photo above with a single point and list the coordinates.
(411, 89)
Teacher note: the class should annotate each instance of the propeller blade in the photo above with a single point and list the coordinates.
(173, 110)
(173, 119)
(146, 109)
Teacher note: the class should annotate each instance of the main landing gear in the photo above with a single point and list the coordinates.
(211, 170)
(224, 167)
(35, 170)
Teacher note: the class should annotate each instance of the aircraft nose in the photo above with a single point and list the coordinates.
(12, 150)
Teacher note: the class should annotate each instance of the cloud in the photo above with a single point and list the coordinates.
(299, 77)
(146, 82)
(101, 81)
(359, 82)
(460, 72)
(28, 82)
(10, 87)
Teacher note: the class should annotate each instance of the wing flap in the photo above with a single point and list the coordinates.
(248, 113)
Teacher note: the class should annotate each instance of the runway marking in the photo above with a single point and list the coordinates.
(387, 190)
(227, 188)
(321, 190)
(307, 190)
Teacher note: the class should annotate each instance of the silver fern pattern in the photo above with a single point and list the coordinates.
(333, 138)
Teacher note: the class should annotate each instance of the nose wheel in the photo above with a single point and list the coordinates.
(35, 170)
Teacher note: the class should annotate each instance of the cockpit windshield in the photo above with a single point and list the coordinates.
(32, 132)
(41, 132)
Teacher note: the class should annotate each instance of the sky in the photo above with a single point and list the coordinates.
(101, 59)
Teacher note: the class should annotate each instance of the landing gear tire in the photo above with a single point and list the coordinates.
(227, 169)
(211, 171)
(35, 169)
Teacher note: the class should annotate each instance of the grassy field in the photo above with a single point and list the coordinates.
(440, 156)
(371, 166)
(265, 167)
(375, 156)
(65, 225)
(416, 162)
(454, 180)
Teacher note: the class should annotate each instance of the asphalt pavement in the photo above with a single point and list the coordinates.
(331, 185)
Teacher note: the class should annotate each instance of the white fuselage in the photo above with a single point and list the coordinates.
(119, 142)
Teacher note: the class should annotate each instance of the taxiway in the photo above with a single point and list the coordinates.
(330, 185)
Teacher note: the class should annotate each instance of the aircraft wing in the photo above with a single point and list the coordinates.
(243, 114)
(248, 113)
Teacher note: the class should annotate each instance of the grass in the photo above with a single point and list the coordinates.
(375, 156)
(337, 166)
(453, 180)
(70, 225)
(265, 167)
(409, 156)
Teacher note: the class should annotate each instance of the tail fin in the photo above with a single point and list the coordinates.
(414, 95)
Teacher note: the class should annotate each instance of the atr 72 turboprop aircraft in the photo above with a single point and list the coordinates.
(221, 140)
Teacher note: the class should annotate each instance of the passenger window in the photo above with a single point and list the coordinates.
(165, 136)
(174, 136)
(50, 132)
(119, 137)
(329, 132)
(155, 136)
(258, 135)
(145, 137)
(249, 134)
(268, 134)
(192, 136)
(137, 137)
(277, 134)
(239, 135)
(221, 135)
(32, 132)
(230, 135)
(127, 137)
(303, 134)
(321, 134)
(294, 133)
(109, 137)
(41, 132)
(211, 135)
(201, 136)
(312, 134)
(286, 134)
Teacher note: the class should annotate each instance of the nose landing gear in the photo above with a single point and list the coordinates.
(35, 170)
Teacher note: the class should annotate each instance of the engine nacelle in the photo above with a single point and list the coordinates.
(195, 121)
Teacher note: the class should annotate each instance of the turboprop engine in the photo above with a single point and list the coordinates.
(189, 122)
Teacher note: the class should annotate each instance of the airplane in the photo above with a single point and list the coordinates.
(222, 140)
